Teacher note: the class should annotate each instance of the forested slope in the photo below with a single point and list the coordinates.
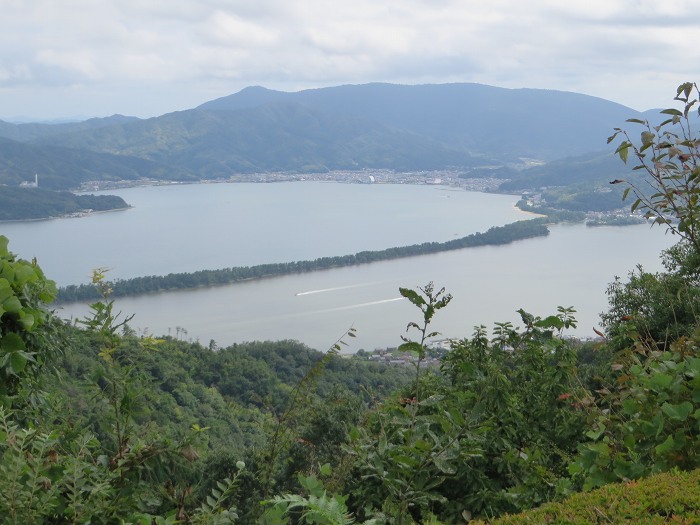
(38, 203)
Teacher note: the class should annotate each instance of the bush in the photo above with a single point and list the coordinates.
(672, 497)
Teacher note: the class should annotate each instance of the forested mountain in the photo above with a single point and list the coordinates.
(278, 137)
(30, 131)
(66, 168)
(380, 126)
(484, 120)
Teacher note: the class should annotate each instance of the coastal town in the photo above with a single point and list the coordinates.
(448, 179)
(451, 178)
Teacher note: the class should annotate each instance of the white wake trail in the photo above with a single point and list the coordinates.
(361, 305)
(324, 290)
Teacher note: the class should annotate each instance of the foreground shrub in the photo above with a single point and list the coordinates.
(672, 497)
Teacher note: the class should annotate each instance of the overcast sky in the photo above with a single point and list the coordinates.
(68, 58)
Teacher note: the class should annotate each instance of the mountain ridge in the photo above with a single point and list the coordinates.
(350, 127)
(460, 114)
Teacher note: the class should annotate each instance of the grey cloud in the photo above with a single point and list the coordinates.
(213, 47)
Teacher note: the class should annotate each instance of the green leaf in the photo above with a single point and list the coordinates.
(18, 361)
(647, 137)
(629, 406)
(12, 305)
(444, 466)
(412, 296)
(678, 412)
(527, 318)
(550, 322)
(5, 289)
(48, 294)
(623, 151)
(24, 273)
(686, 88)
(660, 381)
(672, 111)
(665, 447)
(595, 434)
(8, 270)
(432, 400)
(11, 342)
(411, 347)
(27, 320)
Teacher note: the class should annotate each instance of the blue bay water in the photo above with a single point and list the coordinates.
(183, 228)
(191, 227)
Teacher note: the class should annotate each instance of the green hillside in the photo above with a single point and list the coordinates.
(65, 168)
(279, 137)
(31, 131)
(38, 203)
(593, 169)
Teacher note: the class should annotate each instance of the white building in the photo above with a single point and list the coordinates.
(34, 184)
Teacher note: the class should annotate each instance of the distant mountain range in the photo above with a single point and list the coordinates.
(373, 126)
(483, 120)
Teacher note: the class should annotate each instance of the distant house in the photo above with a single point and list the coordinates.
(34, 184)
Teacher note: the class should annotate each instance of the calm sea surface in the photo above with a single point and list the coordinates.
(192, 227)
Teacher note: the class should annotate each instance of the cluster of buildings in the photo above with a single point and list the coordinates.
(27, 184)
(393, 356)
(453, 178)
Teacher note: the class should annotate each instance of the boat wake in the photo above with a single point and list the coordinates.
(361, 305)
(324, 290)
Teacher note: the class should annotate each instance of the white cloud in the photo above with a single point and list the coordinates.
(229, 29)
(158, 56)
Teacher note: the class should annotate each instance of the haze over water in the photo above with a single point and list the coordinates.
(193, 227)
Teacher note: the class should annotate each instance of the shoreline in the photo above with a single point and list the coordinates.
(476, 185)
(527, 212)
(74, 215)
